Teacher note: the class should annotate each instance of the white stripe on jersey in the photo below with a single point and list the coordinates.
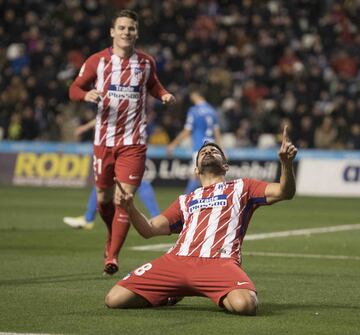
(98, 124)
(133, 104)
(211, 227)
(214, 232)
(184, 249)
(114, 103)
(100, 71)
(234, 221)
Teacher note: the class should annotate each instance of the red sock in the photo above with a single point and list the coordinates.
(120, 228)
(107, 212)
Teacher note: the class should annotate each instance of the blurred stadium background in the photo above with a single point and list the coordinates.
(261, 64)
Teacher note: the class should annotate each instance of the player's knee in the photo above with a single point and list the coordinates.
(104, 196)
(243, 304)
(114, 301)
(110, 301)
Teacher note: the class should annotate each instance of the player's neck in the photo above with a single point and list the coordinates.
(208, 179)
(123, 52)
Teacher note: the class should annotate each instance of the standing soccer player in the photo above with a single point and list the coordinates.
(202, 125)
(206, 259)
(117, 79)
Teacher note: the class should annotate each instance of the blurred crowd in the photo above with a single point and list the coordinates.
(261, 64)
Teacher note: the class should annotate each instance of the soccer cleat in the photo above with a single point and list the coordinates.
(78, 222)
(111, 267)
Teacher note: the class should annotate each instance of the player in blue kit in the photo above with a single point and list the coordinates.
(202, 124)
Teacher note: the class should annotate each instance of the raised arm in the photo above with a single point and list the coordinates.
(158, 225)
(286, 188)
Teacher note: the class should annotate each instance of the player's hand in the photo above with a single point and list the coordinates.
(168, 99)
(93, 96)
(122, 198)
(287, 151)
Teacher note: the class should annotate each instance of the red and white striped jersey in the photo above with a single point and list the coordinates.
(124, 83)
(215, 218)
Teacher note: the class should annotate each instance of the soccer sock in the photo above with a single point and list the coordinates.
(107, 212)
(120, 228)
(147, 196)
(91, 206)
(191, 185)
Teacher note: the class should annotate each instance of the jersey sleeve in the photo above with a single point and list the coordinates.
(84, 81)
(174, 215)
(256, 191)
(153, 84)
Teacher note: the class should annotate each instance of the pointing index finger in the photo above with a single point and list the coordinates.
(285, 134)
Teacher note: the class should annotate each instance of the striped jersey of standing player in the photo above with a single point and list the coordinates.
(118, 79)
(205, 260)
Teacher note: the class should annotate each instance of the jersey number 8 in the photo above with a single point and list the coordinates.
(141, 270)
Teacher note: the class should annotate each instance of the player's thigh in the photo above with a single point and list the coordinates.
(130, 164)
(104, 167)
(215, 278)
(120, 297)
(157, 280)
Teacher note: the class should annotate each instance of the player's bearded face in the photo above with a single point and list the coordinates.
(124, 32)
(211, 160)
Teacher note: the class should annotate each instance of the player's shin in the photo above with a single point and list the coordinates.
(120, 228)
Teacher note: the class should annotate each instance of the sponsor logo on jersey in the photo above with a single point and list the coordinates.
(137, 70)
(215, 201)
(124, 88)
(124, 92)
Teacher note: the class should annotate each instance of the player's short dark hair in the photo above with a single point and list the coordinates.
(125, 13)
(213, 144)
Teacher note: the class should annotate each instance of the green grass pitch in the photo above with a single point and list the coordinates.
(51, 276)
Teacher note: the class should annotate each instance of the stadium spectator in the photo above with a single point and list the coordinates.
(326, 134)
(117, 80)
(321, 41)
(206, 259)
